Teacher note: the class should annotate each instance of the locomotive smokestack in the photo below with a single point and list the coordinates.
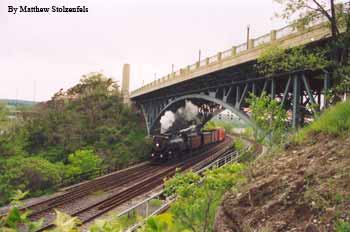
(126, 83)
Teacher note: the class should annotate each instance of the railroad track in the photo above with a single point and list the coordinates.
(143, 181)
(114, 180)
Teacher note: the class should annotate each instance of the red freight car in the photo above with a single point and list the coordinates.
(221, 134)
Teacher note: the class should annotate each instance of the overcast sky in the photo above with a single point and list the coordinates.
(53, 50)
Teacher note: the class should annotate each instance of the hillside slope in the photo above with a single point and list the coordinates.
(305, 187)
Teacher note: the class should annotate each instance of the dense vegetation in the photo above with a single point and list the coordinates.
(84, 129)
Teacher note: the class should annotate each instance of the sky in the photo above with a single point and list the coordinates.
(40, 53)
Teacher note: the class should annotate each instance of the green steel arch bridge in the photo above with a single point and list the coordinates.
(224, 81)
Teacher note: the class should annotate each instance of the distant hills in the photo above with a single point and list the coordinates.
(15, 102)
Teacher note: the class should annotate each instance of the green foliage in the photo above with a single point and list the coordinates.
(198, 198)
(342, 226)
(105, 226)
(84, 161)
(238, 145)
(269, 117)
(334, 121)
(245, 153)
(278, 60)
(342, 79)
(65, 223)
(210, 125)
(338, 18)
(3, 112)
(227, 125)
(248, 132)
(31, 173)
(155, 203)
(161, 223)
(57, 136)
(16, 219)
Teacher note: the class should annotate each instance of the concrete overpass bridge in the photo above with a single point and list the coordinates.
(224, 81)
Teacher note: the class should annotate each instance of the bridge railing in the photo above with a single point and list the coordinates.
(157, 203)
(262, 40)
(236, 50)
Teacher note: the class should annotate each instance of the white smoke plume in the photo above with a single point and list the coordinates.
(186, 114)
(191, 111)
(166, 121)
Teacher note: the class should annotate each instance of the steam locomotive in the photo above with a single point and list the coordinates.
(167, 147)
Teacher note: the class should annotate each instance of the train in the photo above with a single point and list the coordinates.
(168, 147)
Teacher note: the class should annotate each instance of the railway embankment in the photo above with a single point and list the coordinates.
(305, 186)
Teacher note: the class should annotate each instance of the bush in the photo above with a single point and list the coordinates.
(238, 145)
(34, 174)
(198, 198)
(84, 161)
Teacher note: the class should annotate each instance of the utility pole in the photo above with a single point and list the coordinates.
(248, 29)
(34, 90)
(16, 101)
(199, 55)
(172, 68)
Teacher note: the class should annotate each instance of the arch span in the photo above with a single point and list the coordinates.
(207, 98)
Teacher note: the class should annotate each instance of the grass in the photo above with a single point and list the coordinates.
(342, 226)
(155, 203)
(98, 193)
(334, 121)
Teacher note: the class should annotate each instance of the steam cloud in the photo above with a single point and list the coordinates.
(181, 118)
(166, 121)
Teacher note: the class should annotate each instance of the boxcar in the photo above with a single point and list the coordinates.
(221, 134)
(194, 141)
(207, 138)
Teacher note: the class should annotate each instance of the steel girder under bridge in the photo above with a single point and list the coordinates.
(298, 92)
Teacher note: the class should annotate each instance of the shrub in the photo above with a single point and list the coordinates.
(238, 145)
(84, 161)
(34, 174)
(198, 198)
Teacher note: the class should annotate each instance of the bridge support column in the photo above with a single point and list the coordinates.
(296, 102)
(325, 89)
(273, 88)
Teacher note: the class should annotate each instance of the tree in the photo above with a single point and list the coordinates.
(338, 17)
(275, 60)
(270, 118)
(3, 112)
(61, 132)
